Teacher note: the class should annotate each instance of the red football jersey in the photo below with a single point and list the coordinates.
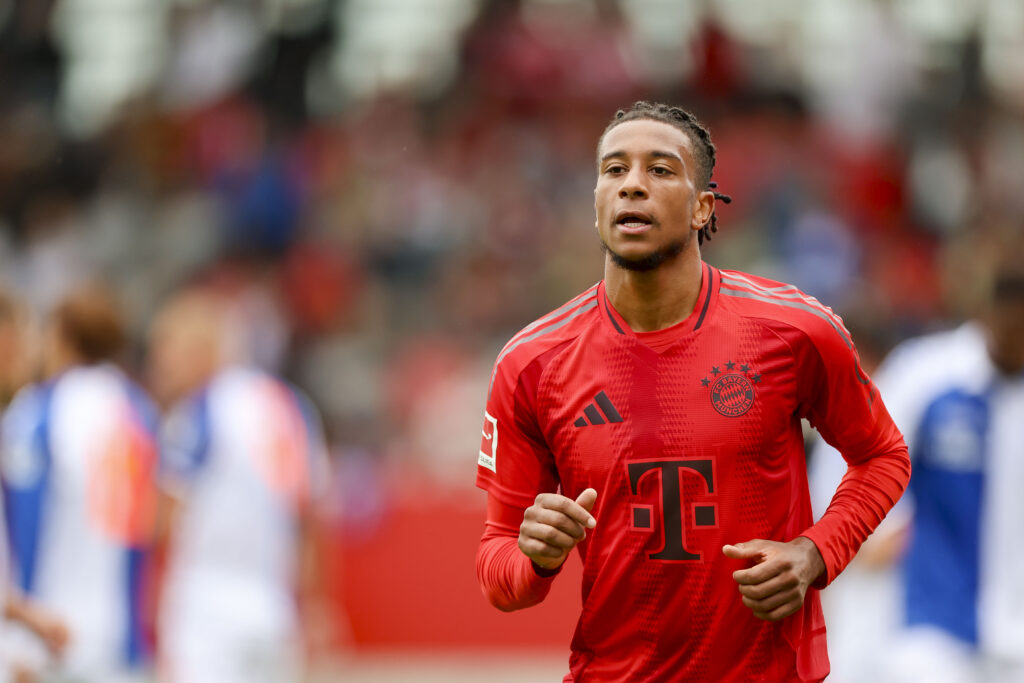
(691, 436)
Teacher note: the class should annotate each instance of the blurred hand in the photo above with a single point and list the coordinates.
(775, 585)
(23, 674)
(55, 635)
(884, 548)
(553, 525)
(50, 629)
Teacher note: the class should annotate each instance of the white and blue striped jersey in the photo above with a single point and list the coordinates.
(243, 457)
(78, 466)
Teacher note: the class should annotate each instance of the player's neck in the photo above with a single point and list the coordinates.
(655, 299)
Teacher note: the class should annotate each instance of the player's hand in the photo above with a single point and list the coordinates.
(55, 636)
(20, 673)
(50, 629)
(46, 625)
(774, 587)
(553, 525)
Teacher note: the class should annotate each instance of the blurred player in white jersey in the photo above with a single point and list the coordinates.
(17, 367)
(240, 452)
(78, 464)
(952, 610)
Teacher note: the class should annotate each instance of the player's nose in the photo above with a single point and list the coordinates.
(633, 186)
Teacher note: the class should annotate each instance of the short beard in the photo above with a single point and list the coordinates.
(646, 264)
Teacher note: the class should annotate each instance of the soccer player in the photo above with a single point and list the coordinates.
(240, 452)
(16, 369)
(653, 422)
(78, 459)
(959, 397)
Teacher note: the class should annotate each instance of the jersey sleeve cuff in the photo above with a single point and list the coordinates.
(546, 573)
(818, 538)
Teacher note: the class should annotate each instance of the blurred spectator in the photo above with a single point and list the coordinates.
(241, 455)
(78, 463)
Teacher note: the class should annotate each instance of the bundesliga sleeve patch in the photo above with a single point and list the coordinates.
(489, 443)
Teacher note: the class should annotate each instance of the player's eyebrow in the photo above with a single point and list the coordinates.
(655, 153)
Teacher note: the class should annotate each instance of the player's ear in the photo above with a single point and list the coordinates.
(704, 206)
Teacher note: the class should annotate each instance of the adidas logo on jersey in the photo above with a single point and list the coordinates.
(599, 412)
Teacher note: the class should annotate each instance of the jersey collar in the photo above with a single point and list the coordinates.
(660, 340)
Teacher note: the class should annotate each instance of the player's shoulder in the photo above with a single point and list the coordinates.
(238, 383)
(246, 388)
(103, 381)
(563, 324)
(965, 339)
(781, 305)
(26, 408)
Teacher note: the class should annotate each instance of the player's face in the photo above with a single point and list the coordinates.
(180, 359)
(648, 207)
(1006, 334)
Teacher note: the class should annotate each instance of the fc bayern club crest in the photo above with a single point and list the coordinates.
(732, 388)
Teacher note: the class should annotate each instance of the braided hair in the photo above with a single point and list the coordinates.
(704, 149)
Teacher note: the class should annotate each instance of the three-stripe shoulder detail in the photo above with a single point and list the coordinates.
(737, 285)
(552, 321)
(555, 320)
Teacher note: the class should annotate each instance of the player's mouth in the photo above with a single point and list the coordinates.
(633, 222)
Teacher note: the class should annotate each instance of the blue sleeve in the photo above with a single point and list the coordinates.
(185, 441)
(145, 410)
(941, 566)
(27, 464)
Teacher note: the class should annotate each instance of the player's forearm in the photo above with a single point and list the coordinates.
(14, 606)
(865, 495)
(20, 610)
(507, 578)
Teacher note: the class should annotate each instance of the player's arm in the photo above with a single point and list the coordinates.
(775, 585)
(530, 528)
(906, 379)
(843, 403)
(182, 440)
(846, 408)
(521, 551)
(47, 626)
(311, 576)
(181, 450)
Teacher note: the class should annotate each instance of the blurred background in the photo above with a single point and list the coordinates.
(386, 190)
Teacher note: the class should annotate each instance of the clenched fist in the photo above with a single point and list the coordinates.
(553, 525)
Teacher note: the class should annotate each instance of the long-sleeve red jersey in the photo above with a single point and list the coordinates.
(691, 436)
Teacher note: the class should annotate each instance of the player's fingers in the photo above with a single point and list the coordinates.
(535, 548)
(567, 506)
(769, 567)
(548, 534)
(780, 612)
(759, 573)
(772, 602)
(586, 499)
(777, 584)
(751, 550)
(561, 522)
